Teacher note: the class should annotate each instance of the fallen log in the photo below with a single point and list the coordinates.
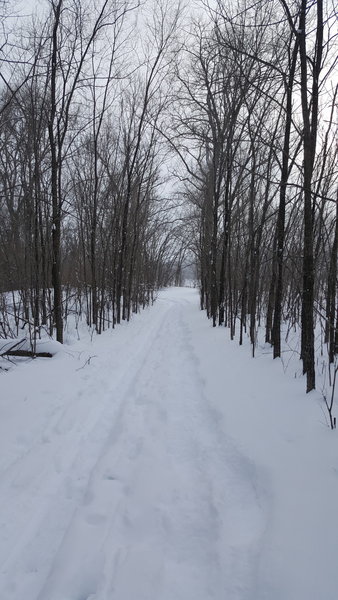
(15, 350)
(27, 354)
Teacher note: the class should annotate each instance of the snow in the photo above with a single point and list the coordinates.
(159, 461)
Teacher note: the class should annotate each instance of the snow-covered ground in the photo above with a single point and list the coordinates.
(160, 462)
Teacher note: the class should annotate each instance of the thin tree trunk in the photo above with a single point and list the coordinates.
(55, 179)
(280, 230)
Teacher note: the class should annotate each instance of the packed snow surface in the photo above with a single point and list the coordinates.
(160, 462)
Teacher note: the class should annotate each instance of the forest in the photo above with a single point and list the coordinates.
(142, 140)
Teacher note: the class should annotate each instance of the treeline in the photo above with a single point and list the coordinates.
(84, 224)
(92, 105)
(256, 132)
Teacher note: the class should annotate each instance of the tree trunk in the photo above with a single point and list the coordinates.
(55, 189)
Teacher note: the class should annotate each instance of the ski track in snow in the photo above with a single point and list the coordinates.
(134, 491)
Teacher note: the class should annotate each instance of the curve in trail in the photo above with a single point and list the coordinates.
(170, 511)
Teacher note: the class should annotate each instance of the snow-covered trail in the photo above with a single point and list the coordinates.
(131, 490)
(161, 462)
